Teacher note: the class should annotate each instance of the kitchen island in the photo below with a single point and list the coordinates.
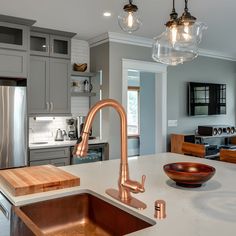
(206, 211)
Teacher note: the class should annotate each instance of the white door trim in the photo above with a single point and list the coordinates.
(161, 95)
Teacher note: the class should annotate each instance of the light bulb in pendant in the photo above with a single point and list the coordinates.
(172, 26)
(130, 20)
(173, 38)
(186, 33)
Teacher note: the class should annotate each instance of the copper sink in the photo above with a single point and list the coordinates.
(77, 215)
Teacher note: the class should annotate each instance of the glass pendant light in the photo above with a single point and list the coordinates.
(167, 48)
(129, 20)
(179, 42)
(164, 52)
(190, 31)
(172, 26)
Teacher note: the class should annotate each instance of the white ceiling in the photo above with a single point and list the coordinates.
(86, 17)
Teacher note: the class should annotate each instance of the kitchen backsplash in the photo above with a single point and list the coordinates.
(40, 131)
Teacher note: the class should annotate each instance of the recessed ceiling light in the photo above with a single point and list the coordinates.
(107, 14)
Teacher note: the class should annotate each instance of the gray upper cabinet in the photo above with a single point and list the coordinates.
(59, 89)
(14, 46)
(38, 86)
(50, 68)
(48, 90)
(60, 46)
(53, 43)
(13, 36)
(39, 44)
(13, 63)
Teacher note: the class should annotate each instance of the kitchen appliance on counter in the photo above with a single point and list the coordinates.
(60, 135)
(13, 124)
(80, 125)
(72, 128)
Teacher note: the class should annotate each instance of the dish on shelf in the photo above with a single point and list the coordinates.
(189, 174)
(82, 67)
(77, 86)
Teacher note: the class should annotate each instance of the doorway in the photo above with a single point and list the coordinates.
(160, 79)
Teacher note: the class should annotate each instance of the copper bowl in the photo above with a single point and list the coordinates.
(188, 174)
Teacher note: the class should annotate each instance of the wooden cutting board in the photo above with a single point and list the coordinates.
(35, 179)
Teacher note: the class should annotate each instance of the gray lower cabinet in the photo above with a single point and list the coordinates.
(49, 86)
(53, 156)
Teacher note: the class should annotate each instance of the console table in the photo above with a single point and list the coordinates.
(178, 139)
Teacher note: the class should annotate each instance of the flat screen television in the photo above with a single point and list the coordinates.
(206, 99)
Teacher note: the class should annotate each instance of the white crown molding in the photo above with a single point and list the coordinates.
(120, 38)
(147, 42)
(100, 39)
(216, 54)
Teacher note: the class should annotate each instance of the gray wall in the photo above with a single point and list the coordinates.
(117, 53)
(147, 113)
(202, 69)
(99, 59)
(108, 57)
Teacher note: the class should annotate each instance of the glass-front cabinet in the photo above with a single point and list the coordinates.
(60, 46)
(50, 45)
(39, 44)
(13, 36)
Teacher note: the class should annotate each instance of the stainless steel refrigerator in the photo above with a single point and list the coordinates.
(13, 126)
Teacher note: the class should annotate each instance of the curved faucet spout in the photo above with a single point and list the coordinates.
(125, 184)
(81, 147)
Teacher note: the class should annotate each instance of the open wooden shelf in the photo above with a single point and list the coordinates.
(82, 94)
(82, 74)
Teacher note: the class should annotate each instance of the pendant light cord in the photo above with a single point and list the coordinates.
(173, 9)
(173, 14)
(186, 6)
(131, 2)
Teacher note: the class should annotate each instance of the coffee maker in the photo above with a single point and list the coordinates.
(72, 128)
(80, 125)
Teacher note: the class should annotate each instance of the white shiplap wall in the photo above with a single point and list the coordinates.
(80, 52)
(79, 106)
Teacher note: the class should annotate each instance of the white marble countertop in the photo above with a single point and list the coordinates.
(66, 143)
(206, 211)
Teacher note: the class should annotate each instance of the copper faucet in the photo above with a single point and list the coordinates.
(125, 185)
